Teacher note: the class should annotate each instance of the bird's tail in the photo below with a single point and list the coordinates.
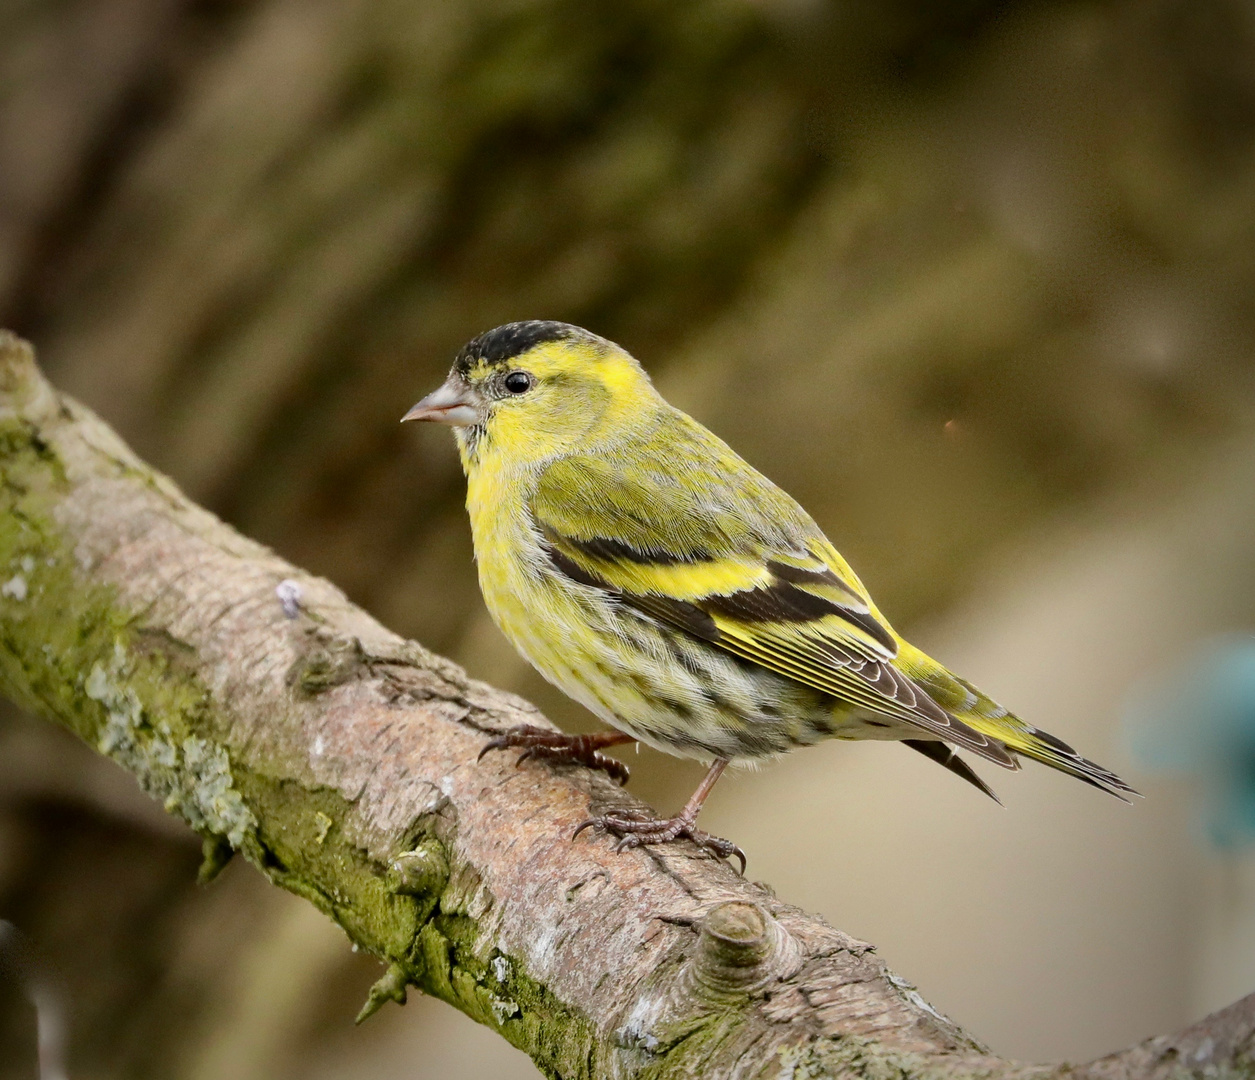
(979, 711)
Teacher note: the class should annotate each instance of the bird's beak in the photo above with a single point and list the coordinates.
(453, 404)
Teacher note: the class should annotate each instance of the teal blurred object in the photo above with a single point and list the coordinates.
(1200, 720)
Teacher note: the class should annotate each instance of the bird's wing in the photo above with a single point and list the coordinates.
(710, 546)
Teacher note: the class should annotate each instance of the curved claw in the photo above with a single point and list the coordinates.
(732, 849)
(590, 823)
(498, 743)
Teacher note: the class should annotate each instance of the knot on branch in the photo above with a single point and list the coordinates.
(329, 661)
(735, 939)
(423, 871)
(741, 950)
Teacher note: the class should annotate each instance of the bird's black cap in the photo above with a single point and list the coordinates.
(504, 343)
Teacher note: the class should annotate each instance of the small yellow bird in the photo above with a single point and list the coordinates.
(658, 579)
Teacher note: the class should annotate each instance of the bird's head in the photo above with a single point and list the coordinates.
(534, 390)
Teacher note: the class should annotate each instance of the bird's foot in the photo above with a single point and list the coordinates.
(562, 749)
(635, 828)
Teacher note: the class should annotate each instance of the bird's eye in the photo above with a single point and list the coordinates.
(518, 382)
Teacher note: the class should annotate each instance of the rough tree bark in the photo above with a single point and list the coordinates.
(280, 721)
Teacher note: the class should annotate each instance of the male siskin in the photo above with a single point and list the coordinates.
(664, 583)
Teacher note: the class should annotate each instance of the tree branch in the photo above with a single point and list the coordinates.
(280, 721)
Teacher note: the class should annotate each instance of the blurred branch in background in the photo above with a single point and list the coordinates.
(979, 267)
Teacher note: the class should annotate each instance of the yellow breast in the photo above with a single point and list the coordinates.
(520, 596)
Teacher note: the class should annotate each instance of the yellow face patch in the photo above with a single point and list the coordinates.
(578, 387)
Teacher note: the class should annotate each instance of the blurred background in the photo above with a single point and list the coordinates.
(972, 280)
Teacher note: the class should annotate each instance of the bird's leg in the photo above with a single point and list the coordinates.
(557, 746)
(635, 829)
